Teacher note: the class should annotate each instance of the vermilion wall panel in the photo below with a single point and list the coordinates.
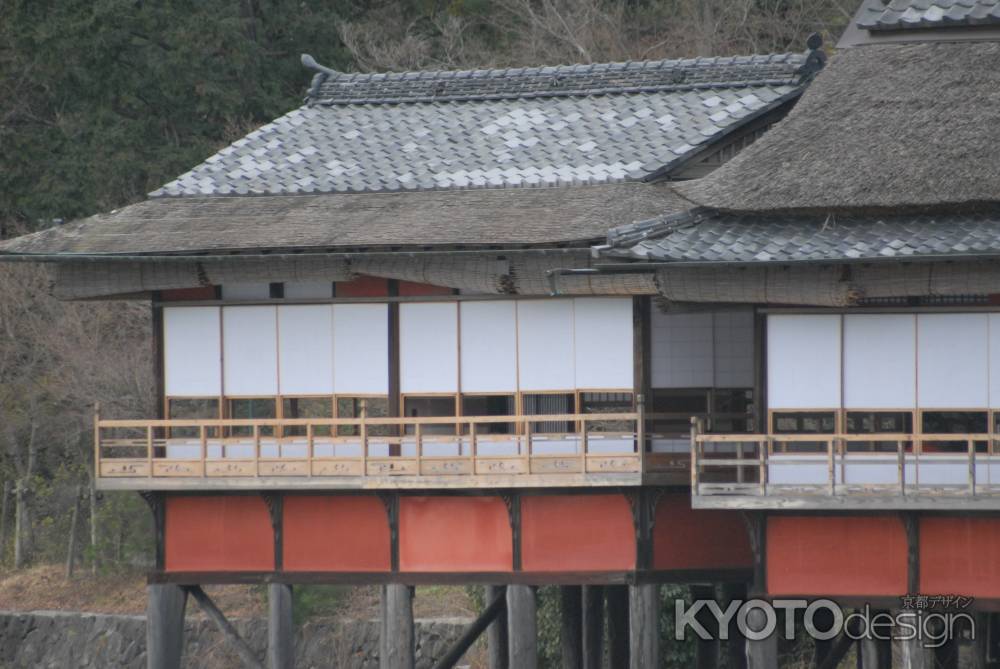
(836, 555)
(960, 556)
(363, 286)
(335, 533)
(685, 538)
(410, 289)
(576, 533)
(218, 533)
(460, 534)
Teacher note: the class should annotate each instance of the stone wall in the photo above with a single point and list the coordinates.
(58, 640)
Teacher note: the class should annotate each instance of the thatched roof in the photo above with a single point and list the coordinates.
(436, 219)
(901, 127)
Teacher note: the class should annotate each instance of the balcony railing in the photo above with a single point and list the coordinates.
(726, 468)
(468, 451)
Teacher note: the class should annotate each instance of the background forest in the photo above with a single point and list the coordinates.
(102, 101)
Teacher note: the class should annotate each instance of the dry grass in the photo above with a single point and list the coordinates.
(46, 588)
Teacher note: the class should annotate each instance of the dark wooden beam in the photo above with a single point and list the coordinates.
(212, 612)
(494, 607)
(911, 524)
(158, 358)
(158, 507)
(736, 655)
(398, 640)
(707, 650)
(395, 410)
(593, 626)
(280, 627)
(644, 626)
(275, 502)
(512, 500)
(391, 502)
(571, 625)
(497, 633)
(756, 524)
(616, 597)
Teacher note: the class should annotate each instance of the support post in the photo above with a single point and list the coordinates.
(707, 649)
(497, 631)
(913, 655)
(876, 653)
(165, 626)
(979, 649)
(593, 626)
(644, 626)
(398, 641)
(617, 613)
(735, 647)
(280, 629)
(522, 627)
(763, 653)
(571, 626)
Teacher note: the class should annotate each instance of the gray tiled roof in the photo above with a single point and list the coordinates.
(700, 236)
(897, 14)
(495, 129)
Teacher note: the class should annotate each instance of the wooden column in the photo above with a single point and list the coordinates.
(644, 626)
(593, 626)
(707, 649)
(571, 626)
(397, 643)
(876, 654)
(497, 632)
(736, 655)
(617, 614)
(762, 654)
(978, 655)
(165, 626)
(280, 629)
(913, 655)
(522, 627)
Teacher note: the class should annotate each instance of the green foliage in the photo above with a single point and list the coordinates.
(315, 601)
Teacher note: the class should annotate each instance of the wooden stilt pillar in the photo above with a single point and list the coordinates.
(876, 653)
(763, 653)
(823, 620)
(707, 649)
(280, 630)
(644, 626)
(522, 627)
(593, 626)
(165, 626)
(978, 654)
(736, 655)
(617, 614)
(913, 655)
(398, 643)
(497, 631)
(571, 632)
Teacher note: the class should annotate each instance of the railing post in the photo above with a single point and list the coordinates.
(418, 432)
(363, 431)
(309, 449)
(256, 449)
(97, 440)
(149, 450)
(640, 431)
(203, 441)
(764, 449)
(583, 446)
(901, 466)
(695, 463)
(831, 472)
(972, 467)
(474, 446)
(527, 447)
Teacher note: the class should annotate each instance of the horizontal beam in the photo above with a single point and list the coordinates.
(847, 502)
(454, 578)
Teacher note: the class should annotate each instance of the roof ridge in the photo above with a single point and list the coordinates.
(331, 87)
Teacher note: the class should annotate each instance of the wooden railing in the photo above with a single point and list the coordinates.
(370, 447)
(897, 465)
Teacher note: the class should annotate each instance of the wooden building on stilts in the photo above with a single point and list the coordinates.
(365, 378)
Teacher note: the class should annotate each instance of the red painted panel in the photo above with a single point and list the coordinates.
(577, 533)
(335, 533)
(960, 556)
(460, 534)
(179, 294)
(685, 538)
(410, 289)
(363, 286)
(836, 555)
(218, 533)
